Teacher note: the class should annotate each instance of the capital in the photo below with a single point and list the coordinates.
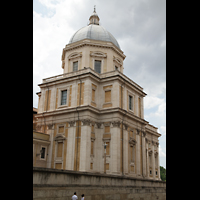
(125, 126)
(72, 123)
(116, 124)
(143, 133)
(98, 124)
(86, 122)
(50, 126)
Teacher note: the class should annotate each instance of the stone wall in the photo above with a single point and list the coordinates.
(61, 184)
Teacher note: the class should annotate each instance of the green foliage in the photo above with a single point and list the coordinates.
(162, 173)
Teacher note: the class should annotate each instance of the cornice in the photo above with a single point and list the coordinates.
(96, 43)
(152, 132)
(88, 72)
(91, 109)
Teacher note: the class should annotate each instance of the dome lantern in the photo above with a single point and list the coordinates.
(94, 18)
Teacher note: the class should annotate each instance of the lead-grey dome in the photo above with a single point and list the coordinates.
(94, 32)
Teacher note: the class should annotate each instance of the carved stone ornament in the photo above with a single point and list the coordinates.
(143, 133)
(156, 154)
(125, 126)
(86, 122)
(132, 141)
(138, 131)
(150, 152)
(72, 123)
(107, 123)
(116, 124)
(157, 144)
(98, 54)
(98, 124)
(146, 140)
(50, 126)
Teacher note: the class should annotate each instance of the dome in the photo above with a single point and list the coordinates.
(94, 32)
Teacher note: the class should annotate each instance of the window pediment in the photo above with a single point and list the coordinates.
(98, 54)
(59, 137)
(117, 60)
(74, 55)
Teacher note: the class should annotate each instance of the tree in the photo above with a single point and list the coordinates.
(162, 173)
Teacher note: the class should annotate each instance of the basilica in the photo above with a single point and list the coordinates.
(93, 105)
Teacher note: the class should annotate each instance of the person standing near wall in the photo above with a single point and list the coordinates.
(74, 197)
(83, 198)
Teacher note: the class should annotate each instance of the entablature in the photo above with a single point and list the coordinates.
(95, 43)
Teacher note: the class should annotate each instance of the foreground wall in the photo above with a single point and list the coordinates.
(61, 184)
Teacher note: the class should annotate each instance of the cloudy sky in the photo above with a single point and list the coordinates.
(140, 29)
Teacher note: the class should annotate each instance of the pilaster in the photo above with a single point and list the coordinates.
(115, 150)
(125, 150)
(147, 159)
(138, 162)
(98, 146)
(144, 153)
(71, 146)
(153, 161)
(142, 108)
(50, 131)
(158, 162)
(85, 146)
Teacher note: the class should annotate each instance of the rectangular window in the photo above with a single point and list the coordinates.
(59, 149)
(43, 153)
(130, 102)
(92, 147)
(93, 95)
(75, 66)
(97, 66)
(108, 96)
(63, 97)
(108, 148)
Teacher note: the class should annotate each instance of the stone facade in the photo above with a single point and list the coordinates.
(99, 107)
